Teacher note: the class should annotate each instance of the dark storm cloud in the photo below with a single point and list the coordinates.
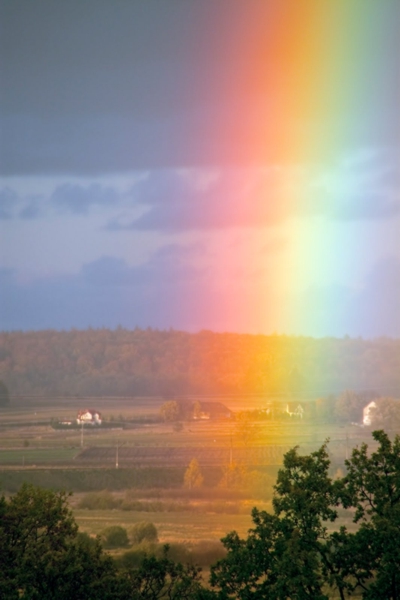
(95, 86)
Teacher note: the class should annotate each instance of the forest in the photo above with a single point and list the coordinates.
(144, 362)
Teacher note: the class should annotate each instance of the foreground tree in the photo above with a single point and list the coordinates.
(293, 552)
(163, 579)
(285, 553)
(42, 555)
(372, 487)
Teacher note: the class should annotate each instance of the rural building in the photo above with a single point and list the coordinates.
(297, 412)
(367, 413)
(211, 410)
(88, 416)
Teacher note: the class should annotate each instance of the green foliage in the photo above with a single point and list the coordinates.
(144, 531)
(133, 558)
(203, 553)
(99, 501)
(162, 578)
(170, 411)
(85, 480)
(41, 554)
(295, 552)
(372, 488)
(115, 536)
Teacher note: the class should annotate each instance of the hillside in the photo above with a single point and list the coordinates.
(152, 362)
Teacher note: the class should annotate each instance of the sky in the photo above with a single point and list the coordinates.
(227, 165)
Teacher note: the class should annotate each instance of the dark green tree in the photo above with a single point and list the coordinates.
(372, 487)
(144, 531)
(293, 552)
(42, 556)
(115, 536)
(164, 579)
(288, 553)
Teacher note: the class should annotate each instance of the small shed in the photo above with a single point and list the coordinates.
(212, 410)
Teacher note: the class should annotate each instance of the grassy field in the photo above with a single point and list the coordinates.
(37, 456)
(172, 527)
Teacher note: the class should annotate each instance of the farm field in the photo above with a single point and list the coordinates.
(138, 454)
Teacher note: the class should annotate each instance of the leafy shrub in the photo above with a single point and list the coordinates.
(99, 501)
(203, 553)
(133, 558)
(115, 536)
(207, 552)
(143, 531)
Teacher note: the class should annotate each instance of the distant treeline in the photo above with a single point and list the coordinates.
(168, 363)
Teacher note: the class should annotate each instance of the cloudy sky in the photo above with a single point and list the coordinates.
(201, 164)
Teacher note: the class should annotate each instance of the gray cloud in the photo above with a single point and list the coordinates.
(8, 203)
(166, 291)
(170, 265)
(369, 311)
(259, 197)
(33, 210)
(178, 200)
(78, 199)
(108, 292)
(367, 206)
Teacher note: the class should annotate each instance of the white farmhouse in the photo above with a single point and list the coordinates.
(88, 416)
(367, 413)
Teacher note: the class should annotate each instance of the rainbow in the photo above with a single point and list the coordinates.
(316, 76)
